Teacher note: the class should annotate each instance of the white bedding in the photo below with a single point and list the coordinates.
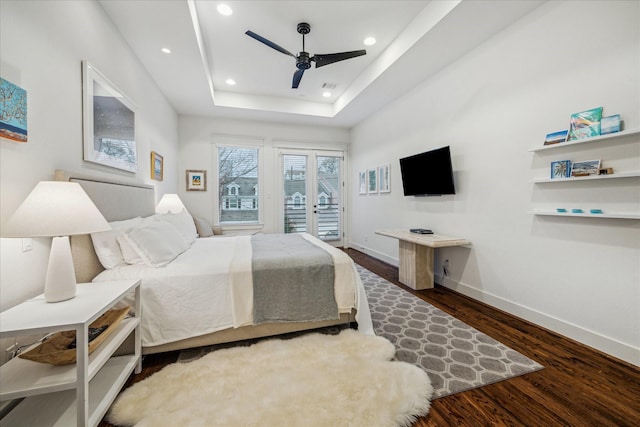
(209, 287)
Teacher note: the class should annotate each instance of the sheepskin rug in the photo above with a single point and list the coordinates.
(313, 380)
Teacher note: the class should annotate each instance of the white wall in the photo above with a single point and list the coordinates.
(42, 44)
(579, 277)
(197, 151)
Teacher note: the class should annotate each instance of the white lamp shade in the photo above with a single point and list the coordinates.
(55, 209)
(170, 203)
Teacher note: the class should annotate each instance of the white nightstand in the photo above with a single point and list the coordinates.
(51, 392)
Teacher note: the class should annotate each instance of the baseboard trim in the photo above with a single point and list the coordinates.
(607, 345)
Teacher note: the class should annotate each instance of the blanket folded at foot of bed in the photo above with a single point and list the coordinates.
(293, 280)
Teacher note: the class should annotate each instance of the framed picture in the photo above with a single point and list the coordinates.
(157, 166)
(13, 111)
(196, 180)
(372, 181)
(362, 182)
(384, 183)
(587, 167)
(610, 124)
(556, 137)
(108, 122)
(585, 124)
(561, 169)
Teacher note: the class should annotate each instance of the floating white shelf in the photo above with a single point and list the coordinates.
(586, 140)
(588, 178)
(618, 215)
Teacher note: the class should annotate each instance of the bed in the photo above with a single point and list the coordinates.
(205, 295)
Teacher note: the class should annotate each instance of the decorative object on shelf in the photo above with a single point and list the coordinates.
(362, 182)
(561, 210)
(196, 180)
(157, 166)
(561, 169)
(576, 211)
(585, 168)
(610, 124)
(170, 204)
(108, 120)
(605, 171)
(384, 178)
(58, 210)
(556, 137)
(59, 348)
(585, 124)
(372, 181)
(13, 111)
(596, 211)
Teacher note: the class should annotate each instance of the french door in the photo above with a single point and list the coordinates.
(312, 194)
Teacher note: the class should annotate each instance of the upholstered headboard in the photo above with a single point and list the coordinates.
(116, 201)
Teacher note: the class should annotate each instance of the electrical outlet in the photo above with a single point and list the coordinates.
(27, 244)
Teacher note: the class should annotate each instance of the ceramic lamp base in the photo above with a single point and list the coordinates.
(60, 284)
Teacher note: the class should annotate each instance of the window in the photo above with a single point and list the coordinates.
(238, 184)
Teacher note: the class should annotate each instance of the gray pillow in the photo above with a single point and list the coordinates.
(202, 227)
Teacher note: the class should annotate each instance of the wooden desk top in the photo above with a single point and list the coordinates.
(431, 240)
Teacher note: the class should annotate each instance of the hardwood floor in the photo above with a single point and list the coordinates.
(578, 387)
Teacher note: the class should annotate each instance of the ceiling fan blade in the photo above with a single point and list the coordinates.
(330, 58)
(269, 43)
(297, 76)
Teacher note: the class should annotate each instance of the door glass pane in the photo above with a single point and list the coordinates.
(295, 193)
(328, 198)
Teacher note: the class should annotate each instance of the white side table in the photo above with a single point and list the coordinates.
(77, 394)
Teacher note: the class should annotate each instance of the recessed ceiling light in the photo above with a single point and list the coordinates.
(224, 9)
(326, 94)
(166, 50)
(230, 82)
(369, 41)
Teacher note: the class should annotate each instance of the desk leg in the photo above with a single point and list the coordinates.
(416, 265)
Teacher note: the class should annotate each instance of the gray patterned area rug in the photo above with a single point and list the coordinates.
(456, 356)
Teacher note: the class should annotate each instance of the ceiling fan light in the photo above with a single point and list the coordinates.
(369, 41)
(224, 9)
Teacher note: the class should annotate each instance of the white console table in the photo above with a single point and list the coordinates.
(416, 255)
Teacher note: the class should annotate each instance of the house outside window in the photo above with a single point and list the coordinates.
(238, 184)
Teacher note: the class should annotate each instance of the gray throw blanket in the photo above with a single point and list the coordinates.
(293, 280)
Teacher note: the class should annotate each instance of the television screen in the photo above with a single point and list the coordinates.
(428, 174)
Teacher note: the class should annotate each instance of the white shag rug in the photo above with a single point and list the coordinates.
(313, 380)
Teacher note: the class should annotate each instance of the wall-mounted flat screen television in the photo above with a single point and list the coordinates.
(428, 174)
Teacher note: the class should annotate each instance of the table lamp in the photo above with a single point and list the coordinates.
(59, 210)
(170, 203)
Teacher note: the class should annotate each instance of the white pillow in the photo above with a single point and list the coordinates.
(156, 242)
(183, 222)
(106, 245)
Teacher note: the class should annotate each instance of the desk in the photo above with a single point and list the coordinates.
(416, 255)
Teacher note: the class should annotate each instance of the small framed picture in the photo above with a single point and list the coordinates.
(587, 167)
(362, 182)
(384, 183)
(610, 124)
(157, 166)
(196, 180)
(372, 181)
(561, 169)
(556, 137)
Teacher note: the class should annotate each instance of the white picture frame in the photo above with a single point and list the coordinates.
(372, 181)
(362, 182)
(384, 178)
(108, 121)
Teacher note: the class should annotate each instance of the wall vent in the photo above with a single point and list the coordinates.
(328, 85)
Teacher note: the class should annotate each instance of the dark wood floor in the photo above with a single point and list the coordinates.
(578, 387)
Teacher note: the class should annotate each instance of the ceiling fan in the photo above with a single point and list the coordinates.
(303, 60)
